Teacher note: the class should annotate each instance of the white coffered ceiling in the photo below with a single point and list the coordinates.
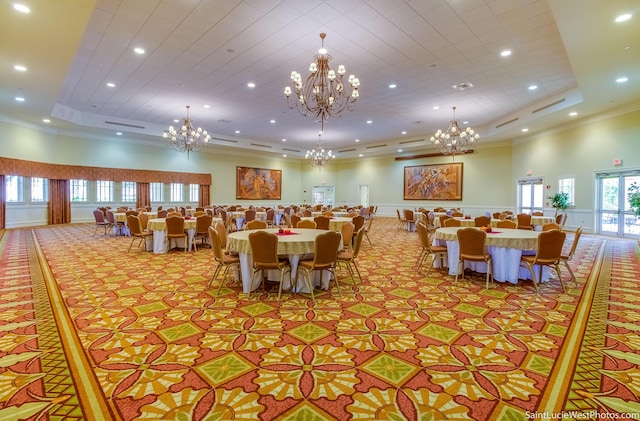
(205, 52)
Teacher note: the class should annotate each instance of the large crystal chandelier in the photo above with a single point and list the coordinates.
(324, 93)
(317, 157)
(187, 139)
(454, 141)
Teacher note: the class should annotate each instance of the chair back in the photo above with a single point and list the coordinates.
(99, 216)
(173, 213)
(110, 217)
(307, 212)
(576, 238)
(144, 220)
(134, 225)
(358, 222)
(408, 214)
(199, 208)
(222, 234)
(264, 248)
(306, 223)
(294, 219)
(347, 232)
(506, 223)
(471, 241)
(322, 222)
(551, 226)
(249, 215)
(131, 212)
(550, 246)
(199, 213)
(482, 221)
(496, 215)
(452, 222)
(443, 218)
(162, 213)
(271, 216)
(203, 222)
(423, 235)
(256, 224)
(326, 249)
(457, 214)
(175, 225)
(524, 221)
(216, 247)
(538, 213)
(358, 242)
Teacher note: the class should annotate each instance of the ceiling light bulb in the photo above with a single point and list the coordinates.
(623, 17)
(20, 68)
(21, 8)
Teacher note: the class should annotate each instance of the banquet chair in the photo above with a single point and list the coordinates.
(429, 250)
(561, 219)
(307, 212)
(293, 220)
(144, 220)
(100, 221)
(524, 221)
(162, 213)
(203, 222)
(358, 222)
(199, 208)
(135, 228)
(199, 213)
(443, 218)
(457, 214)
(306, 223)
(452, 222)
(565, 258)
(324, 258)
(174, 213)
(496, 215)
(347, 233)
(347, 258)
(472, 243)
(225, 261)
(131, 212)
(271, 218)
(482, 221)
(409, 218)
(175, 229)
(537, 213)
(401, 221)
(256, 224)
(322, 222)
(506, 223)
(264, 248)
(551, 226)
(249, 215)
(548, 253)
(367, 228)
(111, 219)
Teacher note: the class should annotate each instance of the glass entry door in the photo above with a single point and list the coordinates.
(614, 215)
(324, 195)
(530, 195)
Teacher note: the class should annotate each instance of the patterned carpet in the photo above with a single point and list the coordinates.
(89, 331)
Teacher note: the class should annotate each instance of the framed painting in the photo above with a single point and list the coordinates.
(433, 182)
(258, 183)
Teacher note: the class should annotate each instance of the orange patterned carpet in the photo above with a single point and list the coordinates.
(89, 331)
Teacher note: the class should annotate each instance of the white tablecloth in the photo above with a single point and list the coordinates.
(506, 247)
(335, 223)
(159, 227)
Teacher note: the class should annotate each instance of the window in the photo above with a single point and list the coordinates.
(104, 191)
(128, 191)
(14, 188)
(157, 192)
(194, 192)
(567, 185)
(78, 190)
(176, 192)
(39, 189)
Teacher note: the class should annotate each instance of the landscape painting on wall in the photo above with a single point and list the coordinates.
(258, 183)
(433, 182)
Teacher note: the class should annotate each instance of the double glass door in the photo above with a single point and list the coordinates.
(614, 215)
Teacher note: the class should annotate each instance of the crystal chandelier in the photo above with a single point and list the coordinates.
(454, 141)
(317, 157)
(324, 93)
(187, 139)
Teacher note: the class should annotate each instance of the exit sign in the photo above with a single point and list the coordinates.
(617, 161)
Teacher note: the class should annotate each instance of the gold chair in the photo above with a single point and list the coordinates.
(144, 220)
(548, 253)
(428, 249)
(472, 243)
(496, 215)
(174, 213)
(307, 213)
(347, 233)
(322, 222)
(367, 228)
(561, 219)
(358, 222)
(551, 226)
(537, 213)
(409, 218)
(175, 229)
(256, 224)
(203, 222)
(249, 215)
(482, 221)
(524, 221)
(306, 223)
(293, 220)
(135, 229)
(452, 222)
(225, 261)
(112, 223)
(347, 258)
(457, 214)
(443, 218)
(264, 248)
(565, 258)
(506, 223)
(401, 221)
(271, 218)
(199, 213)
(324, 258)
(99, 216)
(162, 213)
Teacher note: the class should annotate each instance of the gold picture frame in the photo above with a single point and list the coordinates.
(433, 182)
(258, 183)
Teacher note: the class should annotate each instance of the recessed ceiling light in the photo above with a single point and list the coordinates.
(404, 132)
(237, 131)
(284, 140)
(399, 150)
(369, 121)
(207, 106)
(360, 155)
(357, 140)
(525, 130)
(272, 121)
(284, 155)
(393, 85)
(20, 68)
(622, 79)
(533, 87)
(46, 120)
(119, 133)
(505, 53)
(138, 50)
(21, 8)
(111, 84)
(19, 99)
(251, 85)
(623, 17)
(573, 113)
(436, 107)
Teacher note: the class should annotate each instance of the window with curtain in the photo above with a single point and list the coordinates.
(176, 192)
(39, 189)
(78, 189)
(14, 188)
(104, 191)
(194, 192)
(157, 192)
(567, 185)
(128, 191)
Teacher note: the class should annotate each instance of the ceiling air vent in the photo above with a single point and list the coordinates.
(261, 146)
(133, 126)
(376, 146)
(407, 142)
(548, 106)
(347, 150)
(507, 122)
(291, 150)
(225, 140)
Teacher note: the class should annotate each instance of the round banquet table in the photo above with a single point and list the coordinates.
(335, 223)
(299, 244)
(159, 227)
(506, 247)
